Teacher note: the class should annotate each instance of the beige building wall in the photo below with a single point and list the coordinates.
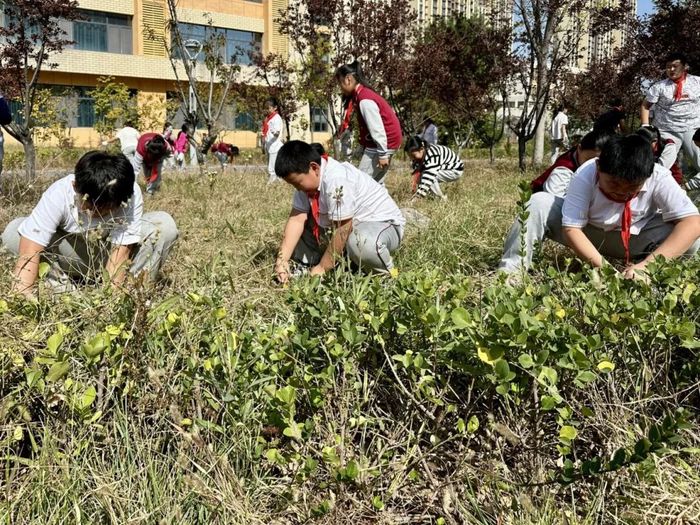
(148, 69)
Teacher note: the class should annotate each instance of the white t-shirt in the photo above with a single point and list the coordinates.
(59, 209)
(558, 181)
(273, 138)
(585, 204)
(560, 120)
(672, 115)
(128, 138)
(348, 193)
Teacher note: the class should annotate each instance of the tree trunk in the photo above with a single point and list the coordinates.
(538, 150)
(522, 143)
(29, 157)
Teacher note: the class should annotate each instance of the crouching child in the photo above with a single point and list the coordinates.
(86, 222)
(432, 164)
(622, 205)
(336, 209)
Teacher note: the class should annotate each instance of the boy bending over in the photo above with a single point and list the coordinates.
(338, 206)
(622, 205)
(92, 218)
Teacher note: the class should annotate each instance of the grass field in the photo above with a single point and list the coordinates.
(441, 396)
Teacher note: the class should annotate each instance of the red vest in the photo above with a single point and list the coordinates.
(392, 126)
(567, 160)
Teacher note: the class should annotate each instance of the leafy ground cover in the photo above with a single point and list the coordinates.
(439, 396)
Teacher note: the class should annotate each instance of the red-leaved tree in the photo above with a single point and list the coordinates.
(29, 39)
(328, 33)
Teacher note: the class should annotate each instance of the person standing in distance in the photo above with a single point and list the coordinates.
(272, 137)
(379, 127)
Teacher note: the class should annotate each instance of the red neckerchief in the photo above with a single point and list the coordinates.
(266, 123)
(346, 118)
(678, 94)
(314, 201)
(625, 221)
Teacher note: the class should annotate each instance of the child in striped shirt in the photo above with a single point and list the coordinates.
(432, 164)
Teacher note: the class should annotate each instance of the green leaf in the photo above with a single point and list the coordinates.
(502, 369)
(526, 361)
(606, 366)
(97, 345)
(461, 318)
(473, 424)
(618, 459)
(547, 376)
(88, 397)
(377, 503)
(57, 371)
(54, 342)
(352, 470)
(287, 395)
(568, 432)
(548, 402)
(585, 376)
(44, 268)
(461, 426)
(18, 433)
(294, 430)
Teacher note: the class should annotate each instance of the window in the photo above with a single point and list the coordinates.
(104, 32)
(319, 122)
(232, 44)
(245, 122)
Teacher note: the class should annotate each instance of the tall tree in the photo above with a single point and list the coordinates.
(328, 33)
(463, 65)
(211, 97)
(547, 38)
(29, 39)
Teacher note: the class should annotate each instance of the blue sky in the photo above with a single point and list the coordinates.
(644, 7)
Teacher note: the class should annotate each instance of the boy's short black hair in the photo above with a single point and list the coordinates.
(595, 139)
(318, 147)
(295, 156)
(105, 178)
(157, 147)
(233, 150)
(676, 55)
(627, 158)
(650, 133)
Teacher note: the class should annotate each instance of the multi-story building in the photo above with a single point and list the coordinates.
(594, 47)
(428, 10)
(124, 39)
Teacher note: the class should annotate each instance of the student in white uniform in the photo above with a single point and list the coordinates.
(676, 104)
(558, 133)
(88, 221)
(622, 205)
(128, 138)
(337, 208)
(272, 137)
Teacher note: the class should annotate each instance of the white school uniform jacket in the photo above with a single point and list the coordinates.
(273, 138)
(59, 209)
(676, 115)
(585, 204)
(560, 120)
(348, 193)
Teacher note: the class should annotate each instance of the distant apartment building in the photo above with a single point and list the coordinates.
(124, 39)
(595, 47)
(428, 10)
